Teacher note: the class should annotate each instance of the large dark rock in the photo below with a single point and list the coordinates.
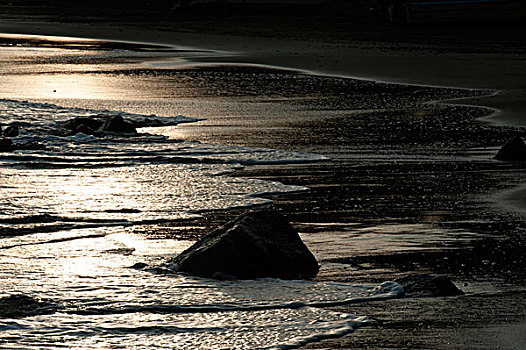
(425, 285)
(256, 244)
(6, 145)
(513, 150)
(116, 123)
(12, 131)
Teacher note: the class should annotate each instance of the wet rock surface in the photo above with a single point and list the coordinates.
(117, 124)
(85, 125)
(11, 131)
(254, 245)
(96, 125)
(426, 285)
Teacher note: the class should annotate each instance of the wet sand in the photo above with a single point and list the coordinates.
(436, 181)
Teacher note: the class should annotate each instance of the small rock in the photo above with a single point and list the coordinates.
(95, 125)
(116, 123)
(513, 150)
(425, 285)
(12, 131)
(84, 125)
(254, 245)
(85, 122)
(139, 266)
(123, 210)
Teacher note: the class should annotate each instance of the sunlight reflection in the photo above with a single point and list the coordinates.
(80, 266)
(50, 38)
(150, 247)
(60, 86)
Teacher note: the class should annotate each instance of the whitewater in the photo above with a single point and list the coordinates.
(66, 209)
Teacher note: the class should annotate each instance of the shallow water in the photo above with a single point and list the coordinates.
(103, 303)
(66, 210)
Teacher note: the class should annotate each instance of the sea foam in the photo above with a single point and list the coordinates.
(63, 212)
(136, 179)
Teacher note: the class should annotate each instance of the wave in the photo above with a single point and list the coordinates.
(249, 322)
(86, 181)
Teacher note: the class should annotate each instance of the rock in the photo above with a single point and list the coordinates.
(123, 210)
(6, 145)
(425, 285)
(116, 123)
(85, 122)
(83, 129)
(139, 266)
(95, 125)
(254, 245)
(514, 150)
(85, 125)
(20, 305)
(11, 131)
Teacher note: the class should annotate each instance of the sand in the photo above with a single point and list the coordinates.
(484, 318)
(487, 62)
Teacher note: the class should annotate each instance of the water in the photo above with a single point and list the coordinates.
(105, 305)
(68, 213)
(70, 207)
(87, 178)
(64, 210)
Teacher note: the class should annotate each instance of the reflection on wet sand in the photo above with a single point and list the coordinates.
(395, 159)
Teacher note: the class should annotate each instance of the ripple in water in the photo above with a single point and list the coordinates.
(105, 305)
(63, 212)
(135, 179)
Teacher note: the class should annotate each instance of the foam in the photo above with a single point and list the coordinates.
(85, 177)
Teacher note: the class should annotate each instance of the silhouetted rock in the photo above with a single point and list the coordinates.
(116, 123)
(426, 285)
(11, 131)
(123, 210)
(514, 149)
(256, 244)
(19, 305)
(95, 125)
(139, 266)
(6, 145)
(85, 125)
(87, 122)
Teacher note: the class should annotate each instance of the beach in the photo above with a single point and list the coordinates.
(411, 185)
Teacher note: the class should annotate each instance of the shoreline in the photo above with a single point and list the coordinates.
(269, 51)
(393, 333)
(357, 61)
